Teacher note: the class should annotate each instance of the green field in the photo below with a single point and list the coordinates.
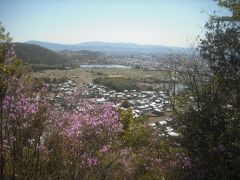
(81, 76)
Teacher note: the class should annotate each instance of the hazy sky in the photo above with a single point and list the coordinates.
(165, 22)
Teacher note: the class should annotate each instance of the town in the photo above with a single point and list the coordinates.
(150, 103)
(141, 102)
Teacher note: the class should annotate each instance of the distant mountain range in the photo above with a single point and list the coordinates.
(108, 47)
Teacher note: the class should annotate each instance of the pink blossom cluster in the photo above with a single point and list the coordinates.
(23, 117)
(22, 107)
(19, 102)
(89, 128)
(11, 54)
(105, 148)
(181, 161)
(92, 161)
(95, 117)
(125, 154)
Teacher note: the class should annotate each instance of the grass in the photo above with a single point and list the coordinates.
(81, 76)
(132, 73)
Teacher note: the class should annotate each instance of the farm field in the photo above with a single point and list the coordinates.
(82, 76)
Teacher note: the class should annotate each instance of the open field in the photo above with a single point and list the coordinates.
(132, 73)
(81, 76)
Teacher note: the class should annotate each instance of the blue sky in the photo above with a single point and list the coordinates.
(165, 22)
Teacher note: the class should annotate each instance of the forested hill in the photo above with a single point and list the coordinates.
(34, 54)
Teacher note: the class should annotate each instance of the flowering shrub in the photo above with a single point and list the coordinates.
(37, 135)
(24, 119)
(71, 138)
(76, 138)
(88, 133)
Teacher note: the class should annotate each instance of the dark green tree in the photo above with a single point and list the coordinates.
(208, 118)
(8, 66)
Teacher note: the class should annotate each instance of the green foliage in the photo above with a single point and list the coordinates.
(42, 67)
(125, 104)
(208, 127)
(221, 49)
(136, 134)
(126, 119)
(9, 65)
(233, 6)
(5, 40)
(118, 84)
(152, 155)
(137, 67)
(207, 116)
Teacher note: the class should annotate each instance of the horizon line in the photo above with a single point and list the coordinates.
(110, 42)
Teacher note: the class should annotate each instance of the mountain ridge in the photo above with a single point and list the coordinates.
(107, 47)
(39, 56)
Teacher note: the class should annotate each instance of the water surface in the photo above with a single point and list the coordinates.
(105, 66)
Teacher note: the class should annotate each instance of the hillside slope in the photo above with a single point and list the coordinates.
(34, 54)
